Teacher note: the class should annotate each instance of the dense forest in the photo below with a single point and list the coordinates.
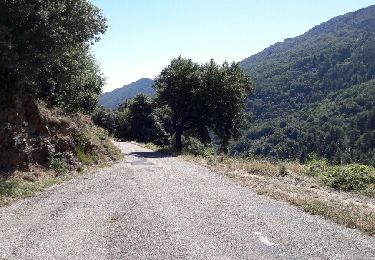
(315, 95)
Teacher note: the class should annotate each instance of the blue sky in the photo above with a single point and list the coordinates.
(144, 35)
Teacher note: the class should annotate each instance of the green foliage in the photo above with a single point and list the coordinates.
(102, 134)
(45, 51)
(161, 117)
(339, 128)
(107, 119)
(204, 98)
(80, 141)
(57, 163)
(316, 165)
(192, 99)
(15, 187)
(195, 147)
(315, 94)
(83, 157)
(353, 177)
(136, 119)
(140, 120)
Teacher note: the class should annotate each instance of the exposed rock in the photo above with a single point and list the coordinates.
(32, 135)
(28, 137)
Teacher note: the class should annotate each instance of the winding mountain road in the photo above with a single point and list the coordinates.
(153, 207)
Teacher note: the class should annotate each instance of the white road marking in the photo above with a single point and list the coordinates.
(263, 239)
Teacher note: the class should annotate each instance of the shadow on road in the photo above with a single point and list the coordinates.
(150, 155)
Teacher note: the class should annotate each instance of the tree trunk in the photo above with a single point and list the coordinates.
(178, 136)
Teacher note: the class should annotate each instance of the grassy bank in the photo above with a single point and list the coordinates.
(24, 185)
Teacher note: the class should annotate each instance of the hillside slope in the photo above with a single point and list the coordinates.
(114, 98)
(296, 77)
(33, 137)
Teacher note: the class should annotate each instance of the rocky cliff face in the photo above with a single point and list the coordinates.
(31, 134)
(28, 137)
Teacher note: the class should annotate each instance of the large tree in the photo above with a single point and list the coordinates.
(44, 51)
(204, 98)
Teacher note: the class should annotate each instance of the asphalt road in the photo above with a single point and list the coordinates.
(150, 207)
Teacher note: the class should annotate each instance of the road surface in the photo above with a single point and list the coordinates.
(153, 207)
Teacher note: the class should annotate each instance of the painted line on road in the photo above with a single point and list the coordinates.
(264, 239)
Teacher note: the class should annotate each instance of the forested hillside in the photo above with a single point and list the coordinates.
(113, 99)
(309, 96)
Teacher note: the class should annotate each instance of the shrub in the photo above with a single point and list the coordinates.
(80, 141)
(57, 163)
(195, 147)
(101, 133)
(316, 166)
(353, 177)
(86, 159)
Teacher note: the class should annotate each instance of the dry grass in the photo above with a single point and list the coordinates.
(352, 215)
(347, 208)
(23, 185)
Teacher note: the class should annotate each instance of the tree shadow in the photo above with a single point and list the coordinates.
(151, 154)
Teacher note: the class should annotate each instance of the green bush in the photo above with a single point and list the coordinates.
(353, 177)
(315, 166)
(86, 159)
(80, 141)
(101, 133)
(195, 147)
(57, 163)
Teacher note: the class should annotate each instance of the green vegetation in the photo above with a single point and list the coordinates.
(81, 143)
(204, 98)
(48, 78)
(57, 163)
(352, 177)
(195, 147)
(136, 119)
(16, 187)
(200, 102)
(46, 55)
(315, 94)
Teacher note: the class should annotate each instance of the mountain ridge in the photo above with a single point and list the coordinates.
(116, 97)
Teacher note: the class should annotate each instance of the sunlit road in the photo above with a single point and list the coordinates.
(153, 207)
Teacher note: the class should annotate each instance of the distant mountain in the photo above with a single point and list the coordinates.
(116, 97)
(298, 80)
